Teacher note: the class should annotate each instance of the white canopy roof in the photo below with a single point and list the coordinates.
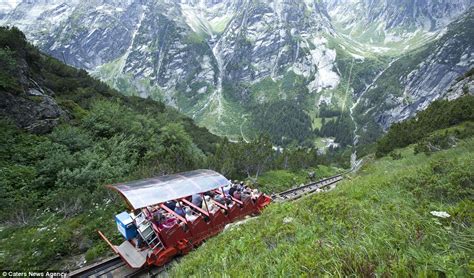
(147, 192)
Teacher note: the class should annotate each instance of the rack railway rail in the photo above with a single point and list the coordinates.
(115, 267)
(300, 191)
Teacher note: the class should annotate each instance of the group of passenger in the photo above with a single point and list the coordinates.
(241, 191)
(237, 190)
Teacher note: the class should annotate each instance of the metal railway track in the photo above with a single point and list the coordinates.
(99, 269)
(115, 267)
(300, 191)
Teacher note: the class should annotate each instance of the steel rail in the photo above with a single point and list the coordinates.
(98, 269)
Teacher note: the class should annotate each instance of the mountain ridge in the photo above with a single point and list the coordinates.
(219, 61)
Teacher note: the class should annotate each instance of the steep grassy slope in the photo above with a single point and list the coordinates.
(280, 180)
(374, 223)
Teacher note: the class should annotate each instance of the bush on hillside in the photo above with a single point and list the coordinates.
(440, 114)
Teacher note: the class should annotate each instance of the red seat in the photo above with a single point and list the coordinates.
(173, 234)
(199, 229)
(234, 212)
(218, 220)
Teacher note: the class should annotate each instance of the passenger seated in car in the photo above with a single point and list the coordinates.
(197, 200)
(232, 189)
(171, 204)
(210, 194)
(218, 198)
(211, 206)
(246, 194)
(179, 210)
(167, 222)
(158, 217)
(227, 188)
(237, 195)
(255, 194)
(190, 216)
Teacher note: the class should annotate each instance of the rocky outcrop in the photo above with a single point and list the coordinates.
(25, 100)
(441, 64)
(425, 14)
(462, 86)
(33, 110)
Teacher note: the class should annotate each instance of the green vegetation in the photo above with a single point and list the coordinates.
(376, 223)
(51, 185)
(251, 160)
(280, 180)
(52, 196)
(341, 129)
(440, 114)
(380, 221)
(285, 122)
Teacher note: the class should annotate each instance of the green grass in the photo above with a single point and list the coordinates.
(365, 37)
(54, 242)
(220, 23)
(227, 123)
(320, 144)
(280, 180)
(377, 222)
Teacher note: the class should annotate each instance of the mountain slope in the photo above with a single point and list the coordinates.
(191, 55)
(387, 25)
(416, 79)
(224, 62)
(64, 135)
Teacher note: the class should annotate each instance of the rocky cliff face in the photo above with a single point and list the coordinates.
(388, 24)
(25, 100)
(425, 14)
(420, 77)
(35, 111)
(218, 60)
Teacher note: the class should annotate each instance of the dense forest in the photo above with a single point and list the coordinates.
(341, 128)
(285, 122)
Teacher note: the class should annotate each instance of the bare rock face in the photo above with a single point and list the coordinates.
(442, 63)
(464, 86)
(33, 110)
(423, 13)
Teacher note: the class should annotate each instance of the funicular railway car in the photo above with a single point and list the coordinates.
(172, 214)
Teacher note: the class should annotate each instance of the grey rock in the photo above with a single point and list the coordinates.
(38, 114)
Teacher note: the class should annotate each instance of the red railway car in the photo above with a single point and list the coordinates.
(167, 219)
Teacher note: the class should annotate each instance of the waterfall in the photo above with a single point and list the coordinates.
(216, 96)
(124, 58)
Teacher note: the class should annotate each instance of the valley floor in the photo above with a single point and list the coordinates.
(379, 221)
